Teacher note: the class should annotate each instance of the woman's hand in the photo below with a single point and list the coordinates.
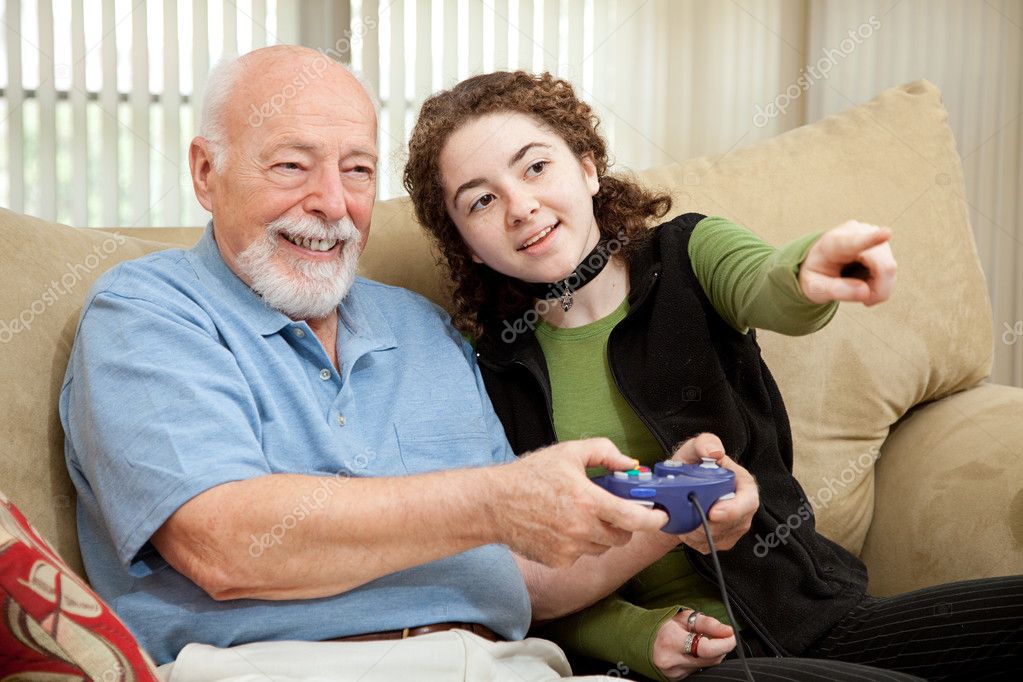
(729, 519)
(716, 640)
(850, 244)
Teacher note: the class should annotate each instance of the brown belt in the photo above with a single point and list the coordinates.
(475, 628)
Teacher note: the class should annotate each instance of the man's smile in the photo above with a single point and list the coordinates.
(319, 245)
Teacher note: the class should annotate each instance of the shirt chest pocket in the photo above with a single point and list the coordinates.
(441, 444)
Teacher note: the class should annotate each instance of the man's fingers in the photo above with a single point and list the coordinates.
(601, 452)
(616, 537)
(627, 515)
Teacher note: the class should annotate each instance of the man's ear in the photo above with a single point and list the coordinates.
(200, 162)
(590, 173)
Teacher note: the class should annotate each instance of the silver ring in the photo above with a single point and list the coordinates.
(687, 648)
(691, 619)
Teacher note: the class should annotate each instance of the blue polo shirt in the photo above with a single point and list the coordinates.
(182, 379)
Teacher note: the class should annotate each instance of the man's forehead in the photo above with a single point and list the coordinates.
(348, 145)
(287, 93)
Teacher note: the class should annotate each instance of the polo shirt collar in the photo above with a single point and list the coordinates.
(221, 279)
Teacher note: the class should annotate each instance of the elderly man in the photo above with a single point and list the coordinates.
(242, 444)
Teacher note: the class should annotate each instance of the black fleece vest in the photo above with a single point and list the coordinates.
(684, 371)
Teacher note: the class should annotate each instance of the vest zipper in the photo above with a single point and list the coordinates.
(744, 614)
(548, 398)
(759, 630)
(665, 447)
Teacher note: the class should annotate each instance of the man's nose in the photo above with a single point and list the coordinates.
(521, 206)
(326, 198)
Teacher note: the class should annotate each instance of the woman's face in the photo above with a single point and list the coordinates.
(522, 201)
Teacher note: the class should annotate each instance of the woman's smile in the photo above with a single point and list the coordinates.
(539, 242)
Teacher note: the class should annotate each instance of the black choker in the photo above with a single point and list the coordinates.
(580, 277)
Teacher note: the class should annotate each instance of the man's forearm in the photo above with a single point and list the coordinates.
(291, 536)
(557, 592)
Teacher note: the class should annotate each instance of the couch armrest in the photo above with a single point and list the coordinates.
(949, 493)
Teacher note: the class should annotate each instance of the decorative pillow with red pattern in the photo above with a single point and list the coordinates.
(53, 625)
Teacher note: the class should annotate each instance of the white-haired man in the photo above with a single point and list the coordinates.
(242, 444)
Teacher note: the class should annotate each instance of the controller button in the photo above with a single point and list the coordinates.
(621, 475)
(709, 463)
(643, 470)
(729, 496)
(645, 475)
(643, 492)
(670, 477)
(633, 472)
(674, 464)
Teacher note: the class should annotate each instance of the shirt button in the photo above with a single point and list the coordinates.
(340, 420)
(324, 374)
(299, 333)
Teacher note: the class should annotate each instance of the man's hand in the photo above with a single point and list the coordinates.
(851, 243)
(547, 510)
(716, 640)
(729, 519)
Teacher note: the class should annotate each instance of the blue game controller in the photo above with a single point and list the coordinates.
(668, 486)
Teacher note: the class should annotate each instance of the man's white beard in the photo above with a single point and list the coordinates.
(300, 288)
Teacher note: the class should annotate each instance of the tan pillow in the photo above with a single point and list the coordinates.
(46, 271)
(891, 161)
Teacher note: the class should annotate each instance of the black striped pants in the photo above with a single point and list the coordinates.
(969, 630)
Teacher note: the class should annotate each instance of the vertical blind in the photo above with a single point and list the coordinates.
(100, 96)
(100, 100)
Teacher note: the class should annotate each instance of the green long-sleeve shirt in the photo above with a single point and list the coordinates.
(750, 284)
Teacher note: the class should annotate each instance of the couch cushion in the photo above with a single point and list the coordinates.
(891, 161)
(45, 273)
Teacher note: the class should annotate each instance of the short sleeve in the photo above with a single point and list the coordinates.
(155, 411)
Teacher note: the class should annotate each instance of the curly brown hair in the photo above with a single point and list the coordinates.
(481, 295)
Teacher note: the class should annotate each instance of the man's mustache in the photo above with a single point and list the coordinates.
(312, 228)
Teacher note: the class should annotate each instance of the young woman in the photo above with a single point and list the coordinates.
(589, 324)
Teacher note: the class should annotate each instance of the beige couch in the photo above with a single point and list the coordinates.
(911, 459)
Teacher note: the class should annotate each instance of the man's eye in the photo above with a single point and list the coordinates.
(482, 202)
(536, 168)
(289, 166)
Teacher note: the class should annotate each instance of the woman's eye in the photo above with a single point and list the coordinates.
(482, 202)
(536, 168)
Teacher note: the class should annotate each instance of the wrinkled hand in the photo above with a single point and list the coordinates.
(546, 509)
(718, 639)
(729, 519)
(852, 242)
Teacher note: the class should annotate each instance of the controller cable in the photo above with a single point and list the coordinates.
(721, 584)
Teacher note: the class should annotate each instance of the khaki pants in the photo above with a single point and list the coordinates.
(448, 655)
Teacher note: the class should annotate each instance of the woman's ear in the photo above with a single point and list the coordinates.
(590, 173)
(475, 259)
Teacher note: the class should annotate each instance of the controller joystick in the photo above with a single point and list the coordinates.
(668, 487)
